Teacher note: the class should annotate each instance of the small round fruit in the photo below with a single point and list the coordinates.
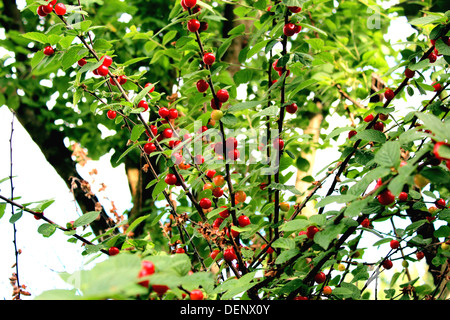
(173, 114)
(405, 264)
(294, 9)
(409, 73)
(148, 85)
(190, 3)
(216, 115)
(387, 264)
(147, 269)
(102, 70)
(420, 255)
(445, 246)
(205, 203)
(47, 8)
(149, 147)
(269, 250)
(440, 203)
(403, 196)
(48, 51)
(40, 11)
(437, 86)
(223, 95)
(209, 58)
(291, 108)
(244, 221)
(107, 60)
(163, 112)
(341, 267)
(233, 154)
(379, 126)
(171, 179)
(210, 173)
(432, 57)
(386, 197)
(389, 94)
(289, 29)
(193, 25)
(278, 144)
(229, 255)
(219, 180)
(180, 250)
(111, 114)
(311, 231)
(113, 251)
(122, 79)
(215, 105)
(240, 196)
(365, 223)
(214, 254)
(383, 117)
(202, 85)
(160, 289)
(369, 118)
(284, 206)
(143, 104)
(327, 290)
(352, 133)
(275, 67)
(217, 192)
(60, 9)
(320, 277)
(394, 244)
(216, 224)
(196, 295)
(225, 213)
(167, 133)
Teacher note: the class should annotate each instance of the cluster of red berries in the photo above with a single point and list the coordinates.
(59, 8)
(291, 28)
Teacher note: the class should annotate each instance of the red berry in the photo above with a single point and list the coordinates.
(233, 154)
(190, 3)
(394, 244)
(403, 196)
(167, 133)
(160, 289)
(171, 179)
(214, 105)
(229, 255)
(274, 65)
(203, 26)
(216, 224)
(217, 192)
(214, 253)
(193, 25)
(278, 144)
(147, 268)
(149, 84)
(320, 277)
(107, 60)
(205, 203)
(225, 213)
(202, 85)
(180, 250)
(269, 250)
(196, 295)
(231, 143)
(40, 11)
(143, 104)
(199, 159)
(60, 9)
(432, 57)
(113, 251)
(365, 223)
(48, 51)
(379, 126)
(437, 86)
(420, 255)
(389, 94)
(243, 221)
(351, 133)
(387, 264)
(209, 59)
(291, 108)
(149, 147)
(173, 113)
(436, 147)
(210, 173)
(102, 70)
(163, 112)
(386, 197)
(295, 9)
(223, 95)
(440, 203)
(409, 73)
(289, 29)
(47, 8)
(122, 79)
(297, 29)
(311, 231)
(369, 118)
(111, 114)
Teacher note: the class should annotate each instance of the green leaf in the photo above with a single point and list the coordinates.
(160, 186)
(229, 120)
(134, 146)
(36, 36)
(2, 209)
(422, 21)
(370, 135)
(47, 229)
(328, 234)
(389, 154)
(16, 216)
(137, 131)
(336, 199)
(136, 222)
(86, 219)
(246, 105)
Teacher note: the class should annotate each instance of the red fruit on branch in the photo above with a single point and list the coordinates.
(217, 192)
(436, 147)
(240, 196)
(167, 133)
(216, 224)
(389, 94)
(163, 112)
(148, 85)
(229, 255)
(202, 85)
(394, 244)
(143, 104)
(365, 223)
(173, 114)
(289, 29)
(311, 231)
(369, 118)
(190, 3)
(291, 108)
(196, 295)
(205, 203)
(112, 251)
(352, 133)
(278, 144)
(147, 269)
(437, 86)
(223, 95)
(294, 9)
(82, 62)
(209, 58)
(214, 105)
(269, 250)
(387, 264)
(274, 65)
(210, 173)
(403, 196)
(409, 73)
(107, 60)
(149, 147)
(193, 25)
(243, 221)
(60, 9)
(420, 255)
(379, 126)
(233, 154)
(47, 8)
(432, 57)
(320, 277)
(102, 70)
(214, 253)
(386, 197)
(40, 11)
(48, 51)
(440, 203)
(160, 289)
(111, 114)
(122, 79)
(171, 179)
(225, 213)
